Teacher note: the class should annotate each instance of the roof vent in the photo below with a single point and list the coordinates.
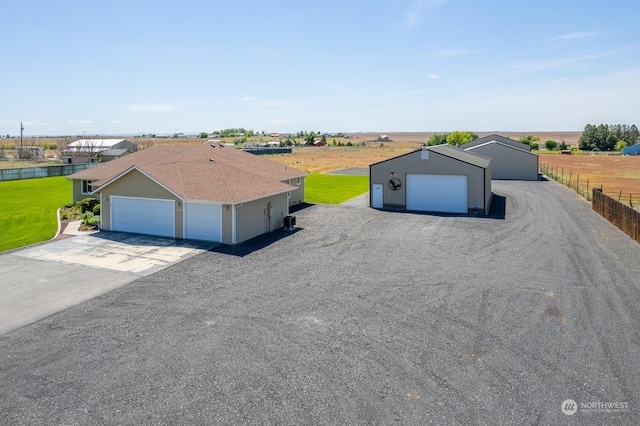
(212, 160)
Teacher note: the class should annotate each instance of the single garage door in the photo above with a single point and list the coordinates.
(143, 216)
(203, 221)
(437, 193)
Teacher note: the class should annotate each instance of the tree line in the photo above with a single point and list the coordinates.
(605, 137)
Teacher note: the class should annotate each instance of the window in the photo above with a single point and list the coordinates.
(87, 186)
(298, 181)
(425, 154)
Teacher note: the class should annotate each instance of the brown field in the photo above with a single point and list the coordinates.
(614, 173)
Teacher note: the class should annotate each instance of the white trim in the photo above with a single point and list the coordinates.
(233, 222)
(88, 184)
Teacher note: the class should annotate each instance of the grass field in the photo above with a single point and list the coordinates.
(333, 189)
(615, 173)
(28, 210)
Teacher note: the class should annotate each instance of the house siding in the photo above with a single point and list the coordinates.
(297, 195)
(478, 183)
(251, 217)
(135, 184)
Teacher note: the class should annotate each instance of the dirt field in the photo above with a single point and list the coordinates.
(614, 173)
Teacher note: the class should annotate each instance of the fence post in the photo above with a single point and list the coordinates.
(570, 175)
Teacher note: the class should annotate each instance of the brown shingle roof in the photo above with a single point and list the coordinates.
(206, 172)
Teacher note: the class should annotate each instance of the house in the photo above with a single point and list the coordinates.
(509, 161)
(319, 143)
(496, 138)
(631, 150)
(383, 138)
(91, 150)
(208, 192)
(439, 178)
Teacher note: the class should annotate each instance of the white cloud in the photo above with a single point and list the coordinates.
(433, 76)
(116, 122)
(86, 122)
(247, 98)
(150, 108)
(572, 36)
(33, 123)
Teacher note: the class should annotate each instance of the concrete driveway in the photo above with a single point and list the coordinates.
(39, 281)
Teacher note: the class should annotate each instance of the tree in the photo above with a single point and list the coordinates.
(529, 139)
(458, 138)
(437, 139)
(324, 139)
(534, 145)
(621, 145)
(550, 144)
(204, 135)
(310, 138)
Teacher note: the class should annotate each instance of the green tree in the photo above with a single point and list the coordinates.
(550, 144)
(437, 139)
(621, 145)
(204, 135)
(309, 138)
(324, 139)
(529, 139)
(458, 137)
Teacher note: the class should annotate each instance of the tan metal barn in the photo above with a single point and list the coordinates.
(439, 178)
(509, 162)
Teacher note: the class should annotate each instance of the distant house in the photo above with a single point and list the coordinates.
(274, 144)
(384, 138)
(95, 150)
(319, 143)
(631, 150)
(274, 135)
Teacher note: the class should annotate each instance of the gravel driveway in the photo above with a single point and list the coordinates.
(360, 317)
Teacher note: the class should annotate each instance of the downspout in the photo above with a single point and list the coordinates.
(100, 223)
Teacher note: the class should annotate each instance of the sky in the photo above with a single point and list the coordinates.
(129, 67)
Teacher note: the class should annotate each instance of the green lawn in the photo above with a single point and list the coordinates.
(333, 189)
(28, 210)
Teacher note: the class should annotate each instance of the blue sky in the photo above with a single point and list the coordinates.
(121, 67)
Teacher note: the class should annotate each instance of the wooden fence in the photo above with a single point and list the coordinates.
(621, 215)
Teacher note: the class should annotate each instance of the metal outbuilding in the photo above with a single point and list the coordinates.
(509, 161)
(631, 150)
(496, 138)
(439, 178)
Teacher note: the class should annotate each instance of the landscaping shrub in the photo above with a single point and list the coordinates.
(90, 219)
(87, 204)
(96, 210)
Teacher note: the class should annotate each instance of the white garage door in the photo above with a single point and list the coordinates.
(437, 193)
(203, 221)
(143, 216)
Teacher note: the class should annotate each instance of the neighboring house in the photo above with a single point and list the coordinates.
(383, 138)
(631, 150)
(91, 150)
(496, 138)
(439, 178)
(208, 192)
(112, 154)
(508, 161)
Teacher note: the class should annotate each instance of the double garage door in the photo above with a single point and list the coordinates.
(152, 216)
(437, 193)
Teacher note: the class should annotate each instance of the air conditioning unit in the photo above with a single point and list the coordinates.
(289, 222)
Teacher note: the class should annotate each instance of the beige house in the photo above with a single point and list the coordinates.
(439, 178)
(208, 192)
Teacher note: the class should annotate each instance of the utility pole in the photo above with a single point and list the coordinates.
(21, 129)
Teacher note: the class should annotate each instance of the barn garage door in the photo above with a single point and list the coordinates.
(203, 221)
(143, 216)
(437, 193)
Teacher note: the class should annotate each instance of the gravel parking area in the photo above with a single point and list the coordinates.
(359, 317)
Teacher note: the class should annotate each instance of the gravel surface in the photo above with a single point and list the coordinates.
(359, 317)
